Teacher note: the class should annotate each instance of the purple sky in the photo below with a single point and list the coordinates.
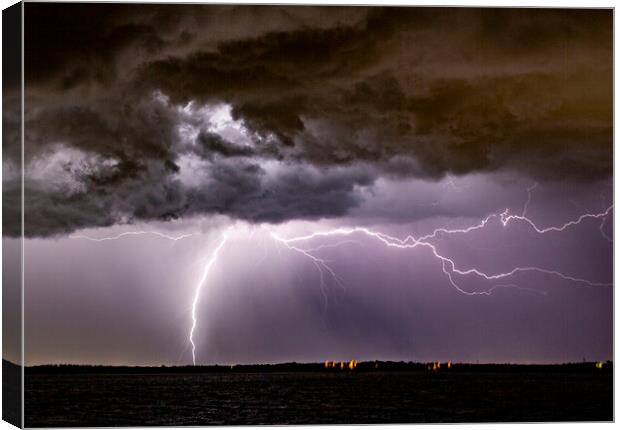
(128, 301)
(187, 120)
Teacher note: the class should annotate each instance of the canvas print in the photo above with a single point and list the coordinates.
(288, 214)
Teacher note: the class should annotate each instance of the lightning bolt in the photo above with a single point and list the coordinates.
(130, 233)
(207, 268)
(198, 289)
(321, 264)
(609, 239)
(529, 198)
(602, 215)
(448, 265)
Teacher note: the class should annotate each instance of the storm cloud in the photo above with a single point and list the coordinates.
(268, 114)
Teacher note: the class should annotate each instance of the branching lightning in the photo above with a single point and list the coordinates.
(131, 233)
(320, 263)
(448, 265)
(602, 215)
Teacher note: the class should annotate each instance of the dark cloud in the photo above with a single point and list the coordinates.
(523, 72)
(352, 93)
(278, 116)
(212, 143)
(71, 44)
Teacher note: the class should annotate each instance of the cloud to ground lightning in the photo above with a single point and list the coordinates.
(366, 188)
(199, 287)
(449, 266)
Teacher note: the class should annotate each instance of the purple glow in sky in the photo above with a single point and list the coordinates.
(326, 183)
(283, 292)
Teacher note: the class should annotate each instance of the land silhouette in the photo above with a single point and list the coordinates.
(329, 366)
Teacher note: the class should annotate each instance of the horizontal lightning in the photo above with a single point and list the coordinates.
(130, 233)
(448, 265)
(508, 218)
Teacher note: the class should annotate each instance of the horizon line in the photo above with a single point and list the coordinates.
(307, 363)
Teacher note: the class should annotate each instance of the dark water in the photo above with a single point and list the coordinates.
(315, 398)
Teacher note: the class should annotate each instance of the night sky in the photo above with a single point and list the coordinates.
(261, 124)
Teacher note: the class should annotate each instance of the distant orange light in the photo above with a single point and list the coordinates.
(449, 364)
(327, 364)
